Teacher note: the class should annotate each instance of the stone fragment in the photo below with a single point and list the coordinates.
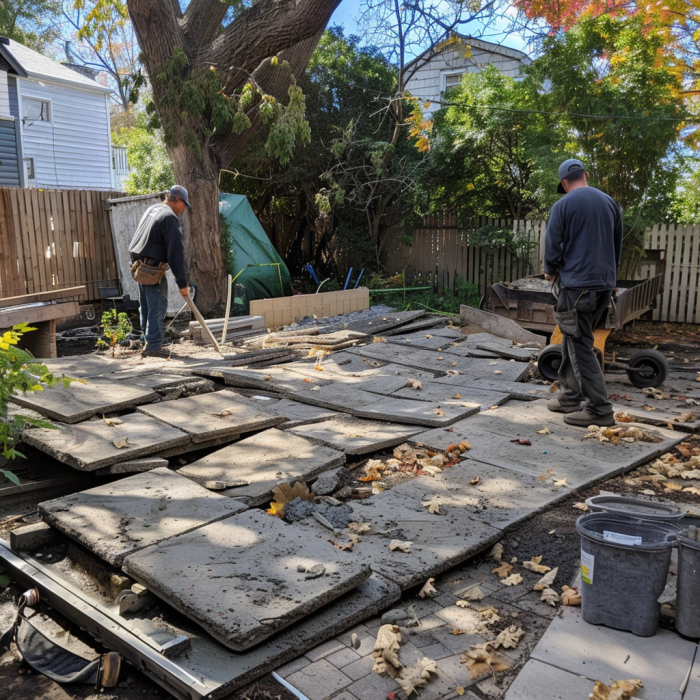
(134, 466)
(31, 537)
(331, 481)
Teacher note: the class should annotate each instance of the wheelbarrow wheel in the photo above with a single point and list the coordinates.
(548, 362)
(654, 365)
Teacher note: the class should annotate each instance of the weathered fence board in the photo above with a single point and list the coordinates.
(53, 239)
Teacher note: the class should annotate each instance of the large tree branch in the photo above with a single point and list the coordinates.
(275, 81)
(157, 46)
(263, 31)
(202, 20)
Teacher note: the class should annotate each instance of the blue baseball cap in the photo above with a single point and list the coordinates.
(569, 168)
(180, 192)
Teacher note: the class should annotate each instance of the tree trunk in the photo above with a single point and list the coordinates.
(203, 254)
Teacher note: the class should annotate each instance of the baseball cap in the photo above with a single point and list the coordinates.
(181, 192)
(569, 168)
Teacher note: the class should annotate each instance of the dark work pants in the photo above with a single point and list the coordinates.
(154, 305)
(580, 375)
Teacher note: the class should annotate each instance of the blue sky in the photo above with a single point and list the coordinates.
(349, 9)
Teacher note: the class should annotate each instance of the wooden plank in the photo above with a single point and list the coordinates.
(48, 258)
(17, 248)
(665, 299)
(42, 282)
(36, 314)
(70, 260)
(691, 308)
(78, 243)
(88, 234)
(30, 239)
(53, 295)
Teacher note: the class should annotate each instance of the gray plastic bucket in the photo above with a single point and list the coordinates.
(688, 596)
(624, 566)
(633, 508)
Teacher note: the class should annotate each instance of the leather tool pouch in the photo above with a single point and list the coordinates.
(568, 320)
(148, 274)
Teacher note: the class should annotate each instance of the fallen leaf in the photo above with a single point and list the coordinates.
(498, 371)
(473, 593)
(401, 546)
(429, 337)
(512, 580)
(692, 489)
(482, 661)
(462, 604)
(534, 565)
(428, 589)
(547, 580)
(549, 595)
(581, 506)
(570, 596)
(224, 413)
(459, 690)
(508, 638)
(475, 481)
(379, 339)
(112, 421)
(412, 677)
(386, 649)
(544, 431)
(453, 363)
(315, 388)
(670, 486)
(519, 441)
(307, 380)
(686, 418)
(503, 570)
(439, 412)
(453, 372)
(619, 690)
(414, 384)
(359, 528)
(496, 551)
(124, 442)
(561, 482)
(457, 396)
(457, 632)
(433, 505)
(284, 493)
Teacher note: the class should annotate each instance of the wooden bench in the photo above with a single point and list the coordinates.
(40, 310)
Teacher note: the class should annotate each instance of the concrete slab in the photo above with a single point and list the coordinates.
(83, 366)
(208, 416)
(264, 461)
(509, 353)
(661, 662)
(522, 391)
(78, 402)
(319, 680)
(154, 381)
(445, 394)
(663, 417)
(270, 379)
(118, 519)
(354, 436)
(539, 681)
(134, 466)
(296, 413)
(91, 445)
(692, 691)
(248, 586)
(426, 341)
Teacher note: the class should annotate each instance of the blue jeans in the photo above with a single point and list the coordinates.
(154, 304)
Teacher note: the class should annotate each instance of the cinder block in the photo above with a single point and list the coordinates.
(31, 537)
(327, 310)
(346, 306)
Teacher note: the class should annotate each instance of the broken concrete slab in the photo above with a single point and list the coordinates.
(209, 416)
(262, 462)
(249, 579)
(30, 537)
(83, 366)
(93, 444)
(426, 341)
(390, 321)
(422, 324)
(295, 412)
(354, 436)
(134, 466)
(154, 381)
(455, 396)
(687, 421)
(118, 519)
(518, 354)
(499, 325)
(521, 391)
(272, 379)
(80, 401)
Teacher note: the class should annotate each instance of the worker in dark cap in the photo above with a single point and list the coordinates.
(156, 246)
(582, 256)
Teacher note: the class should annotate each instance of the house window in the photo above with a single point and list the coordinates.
(35, 110)
(452, 80)
(29, 171)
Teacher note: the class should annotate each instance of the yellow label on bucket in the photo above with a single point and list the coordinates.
(587, 566)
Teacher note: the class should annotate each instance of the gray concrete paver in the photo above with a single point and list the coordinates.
(542, 681)
(373, 687)
(292, 667)
(360, 668)
(343, 657)
(325, 649)
(319, 680)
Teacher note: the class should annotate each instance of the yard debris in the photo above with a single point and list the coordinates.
(412, 677)
(547, 580)
(359, 528)
(570, 596)
(619, 434)
(457, 396)
(433, 505)
(561, 483)
(544, 431)
(581, 506)
(476, 480)
(401, 546)
(379, 339)
(483, 661)
(549, 595)
(520, 441)
(284, 493)
(472, 593)
(618, 690)
(457, 632)
(428, 589)
(496, 552)
(503, 570)
(439, 412)
(512, 580)
(462, 604)
(692, 489)
(459, 690)
(534, 565)
(124, 442)
(508, 638)
(386, 650)
(414, 384)
(112, 421)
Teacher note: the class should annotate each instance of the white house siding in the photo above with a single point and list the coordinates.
(428, 82)
(72, 150)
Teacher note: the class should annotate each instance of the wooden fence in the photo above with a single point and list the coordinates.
(53, 239)
(442, 250)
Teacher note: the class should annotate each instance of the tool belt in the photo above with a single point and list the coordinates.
(148, 274)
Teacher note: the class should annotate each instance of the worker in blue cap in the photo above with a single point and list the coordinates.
(582, 255)
(156, 246)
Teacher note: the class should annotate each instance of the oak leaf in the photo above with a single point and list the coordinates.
(472, 593)
(546, 581)
(508, 638)
(482, 661)
(512, 580)
(433, 505)
(618, 690)
(562, 482)
(570, 596)
(549, 595)
(428, 589)
(412, 677)
(503, 570)
(401, 546)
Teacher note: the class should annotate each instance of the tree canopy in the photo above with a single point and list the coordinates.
(30, 22)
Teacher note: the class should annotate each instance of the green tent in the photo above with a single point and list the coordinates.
(258, 267)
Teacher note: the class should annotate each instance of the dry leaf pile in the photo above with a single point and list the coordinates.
(550, 596)
(284, 493)
(512, 580)
(570, 596)
(668, 466)
(508, 638)
(618, 690)
(618, 434)
(406, 459)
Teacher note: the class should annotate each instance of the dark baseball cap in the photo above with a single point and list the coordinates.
(569, 168)
(181, 192)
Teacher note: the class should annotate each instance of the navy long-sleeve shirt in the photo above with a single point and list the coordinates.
(158, 237)
(584, 240)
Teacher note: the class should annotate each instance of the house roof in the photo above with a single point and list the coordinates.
(27, 63)
(485, 46)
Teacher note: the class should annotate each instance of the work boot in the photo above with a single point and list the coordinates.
(155, 353)
(555, 406)
(584, 419)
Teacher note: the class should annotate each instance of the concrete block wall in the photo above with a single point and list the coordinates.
(285, 310)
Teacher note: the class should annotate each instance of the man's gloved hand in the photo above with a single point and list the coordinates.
(185, 292)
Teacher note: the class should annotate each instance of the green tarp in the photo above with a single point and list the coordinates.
(257, 265)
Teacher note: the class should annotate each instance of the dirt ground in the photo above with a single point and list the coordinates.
(551, 534)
